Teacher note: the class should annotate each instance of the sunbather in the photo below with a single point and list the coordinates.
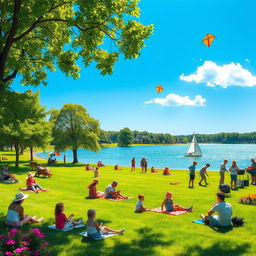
(62, 222)
(96, 230)
(93, 193)
(15, 216)
(111, 193)
(6, 175)
(32, 183)
(139, 207)
(117, 168)
(169, 206)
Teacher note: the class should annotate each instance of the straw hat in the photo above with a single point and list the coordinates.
(30, 174)
(19, 197)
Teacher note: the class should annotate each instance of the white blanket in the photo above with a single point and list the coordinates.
(84, 234)
(70, 228)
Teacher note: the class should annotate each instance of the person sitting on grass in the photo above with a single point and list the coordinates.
(252, 170)
(117, 168)
(15, 216)
(96, 231)
(93, 193)
(88, 168)
(166, 171)
(153, 170)
(169, 206)
(203, 175)
(111, 193)
(192, 174)
(233, 175)
(32, 184)
(6, 175)
(100, 164)
(96, 172)
(139, 207)
(43, 171)
(61, 221)
(224, 211)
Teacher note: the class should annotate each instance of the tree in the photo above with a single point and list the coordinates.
(74, 129)
(125, 137)
(22, 121)
(36, 36)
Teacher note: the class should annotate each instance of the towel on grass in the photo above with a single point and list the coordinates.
(29, 190)
(84, 234)
(117, 199)
(70, 228)
(200, 221)
(175, 183)
(174, 213)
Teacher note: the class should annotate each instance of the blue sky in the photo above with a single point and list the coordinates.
(175, 49)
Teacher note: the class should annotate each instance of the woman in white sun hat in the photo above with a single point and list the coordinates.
(15, 215)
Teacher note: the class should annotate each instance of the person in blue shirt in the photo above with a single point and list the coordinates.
(192, 174)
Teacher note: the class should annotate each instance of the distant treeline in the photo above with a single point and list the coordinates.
(165, 138)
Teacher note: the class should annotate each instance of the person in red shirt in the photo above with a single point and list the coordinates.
(166, 171)
(133, 164)
(32, 184)
(61, 221)
(93, 193)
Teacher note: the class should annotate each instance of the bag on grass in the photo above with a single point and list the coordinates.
(237, 222)
(225, 188)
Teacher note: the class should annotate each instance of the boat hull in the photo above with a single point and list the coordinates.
(193, 155)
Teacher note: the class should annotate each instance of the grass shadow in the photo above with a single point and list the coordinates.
(222, 230)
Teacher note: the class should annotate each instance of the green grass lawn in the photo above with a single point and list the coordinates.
(147, 233)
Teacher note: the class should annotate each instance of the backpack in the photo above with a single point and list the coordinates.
(237, 222)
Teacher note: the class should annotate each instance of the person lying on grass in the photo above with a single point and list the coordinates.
(153, 170)
(94, 230)
(43, 171)
(166, 171)
(169, 206)
(6, 175)
(111, 193)
(32, 183)
(203, 175)
(224, 211)
(117, 168)
(96, 172)
(62, 222)
(15, 215)
(88, 168)
(93, 193)
(139, 207)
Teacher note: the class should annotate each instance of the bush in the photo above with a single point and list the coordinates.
(30, 244)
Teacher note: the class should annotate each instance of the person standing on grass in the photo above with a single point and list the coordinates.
(233, 175)
(142, 165)
(224, 210)
(223, 169)
(203, 175)
(133, 164)
(192, 174)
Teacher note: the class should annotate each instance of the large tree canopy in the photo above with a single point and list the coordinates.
(40, 35)
(74, 128)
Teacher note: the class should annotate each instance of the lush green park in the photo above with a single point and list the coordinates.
(147, 233)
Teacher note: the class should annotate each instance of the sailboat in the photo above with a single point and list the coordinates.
(194, 149)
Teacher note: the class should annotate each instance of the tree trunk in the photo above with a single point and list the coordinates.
(31, 154)
(75, 159)
(17, 154)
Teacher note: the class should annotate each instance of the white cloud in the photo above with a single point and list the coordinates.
(177, 100)
(232, 74)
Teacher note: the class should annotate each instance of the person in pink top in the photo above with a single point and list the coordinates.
(93, 193)
(61, 221)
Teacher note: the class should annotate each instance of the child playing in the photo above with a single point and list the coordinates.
(203, 175)
(192, 174)
(139, 205)
(94, 230)
(166, 171)
(62, 222)
(170, 206)
(96, 172)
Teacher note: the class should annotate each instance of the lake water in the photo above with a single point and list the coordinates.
(171, 156)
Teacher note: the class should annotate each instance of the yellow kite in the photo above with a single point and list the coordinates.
(159, 88)
(208, 39)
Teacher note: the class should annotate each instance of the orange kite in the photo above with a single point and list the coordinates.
(208, 39)
(159, 88)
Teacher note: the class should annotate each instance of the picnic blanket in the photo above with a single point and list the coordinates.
(175, 183)
(200, 221)
(64, 230)
(29, 190)
(117, 199)
(174, 213)
(102, 195)
(84, 234)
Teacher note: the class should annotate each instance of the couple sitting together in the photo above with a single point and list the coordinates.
(110, 191)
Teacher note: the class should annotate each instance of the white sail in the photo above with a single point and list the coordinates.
(194, 149)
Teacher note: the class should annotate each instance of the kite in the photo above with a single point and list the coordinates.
(159, 88)
(208, 39)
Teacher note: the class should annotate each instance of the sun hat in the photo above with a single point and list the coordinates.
(30, 174)
(19, 197)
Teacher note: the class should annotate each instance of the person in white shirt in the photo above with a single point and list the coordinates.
(223, 169)
(139, 207)
(111, 193)
(224, 211)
